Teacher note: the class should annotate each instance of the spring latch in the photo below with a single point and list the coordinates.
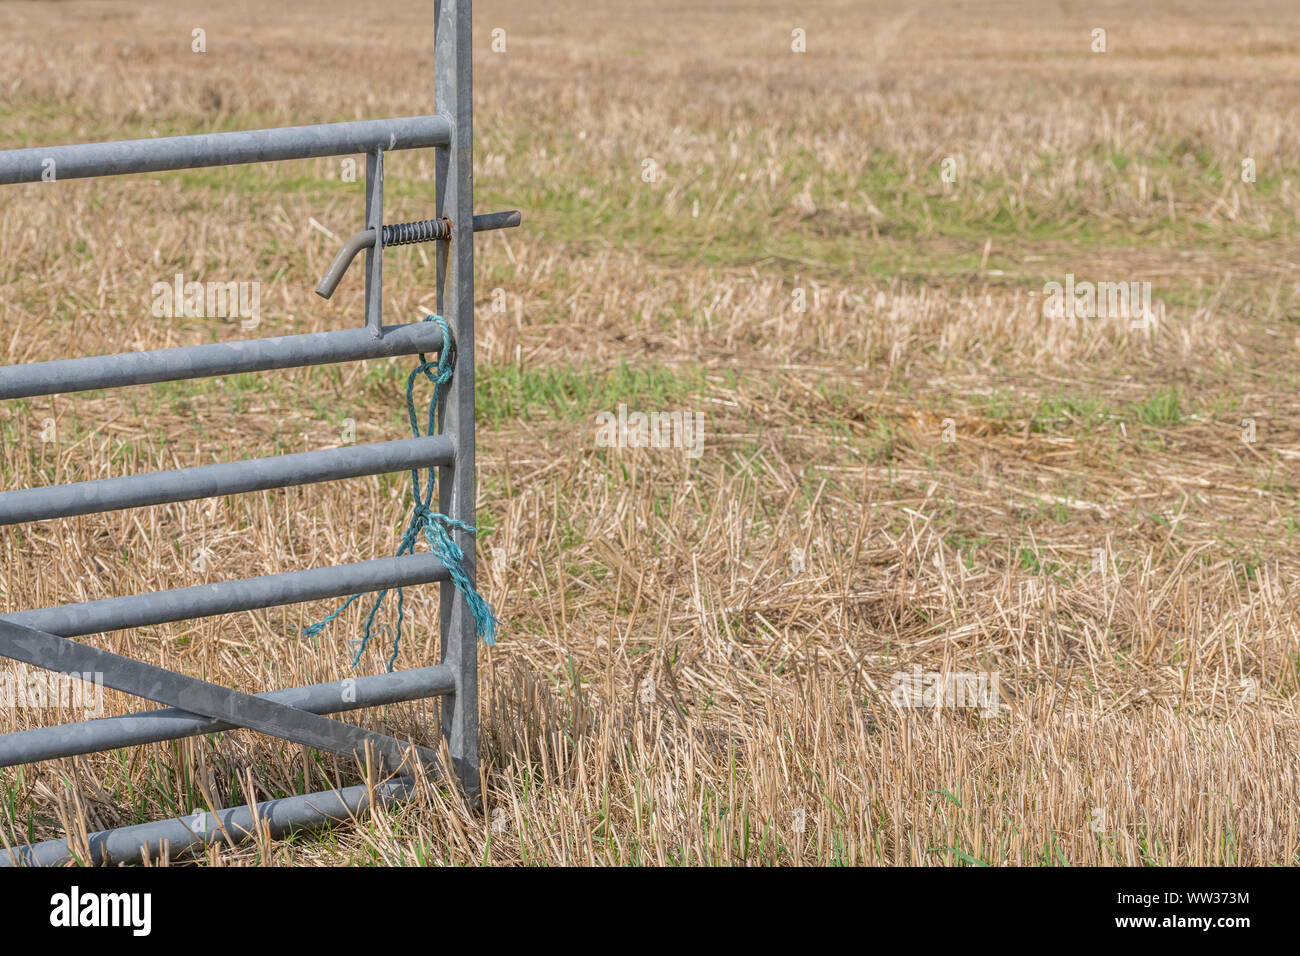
(404, 234)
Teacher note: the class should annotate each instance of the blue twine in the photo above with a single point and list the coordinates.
(436, 527)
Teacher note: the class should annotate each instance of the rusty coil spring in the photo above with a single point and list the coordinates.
(425, 230)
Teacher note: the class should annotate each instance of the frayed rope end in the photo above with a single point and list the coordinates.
(436, 527)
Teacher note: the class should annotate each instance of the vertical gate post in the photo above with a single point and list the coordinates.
(453, 98)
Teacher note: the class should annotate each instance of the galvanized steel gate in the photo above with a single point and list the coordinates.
(43, 638)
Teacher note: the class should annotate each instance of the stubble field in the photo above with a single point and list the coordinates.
(838, 257)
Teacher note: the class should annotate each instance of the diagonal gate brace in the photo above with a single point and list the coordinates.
(162, 686)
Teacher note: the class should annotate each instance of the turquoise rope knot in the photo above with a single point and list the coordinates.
(436, 528)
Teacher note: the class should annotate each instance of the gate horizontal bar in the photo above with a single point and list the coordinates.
(171, 723)
(227, 478)
(227, 597)
(235, 824)
(48, 163)
(218, 358)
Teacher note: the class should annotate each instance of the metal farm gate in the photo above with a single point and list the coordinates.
(43, 638)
